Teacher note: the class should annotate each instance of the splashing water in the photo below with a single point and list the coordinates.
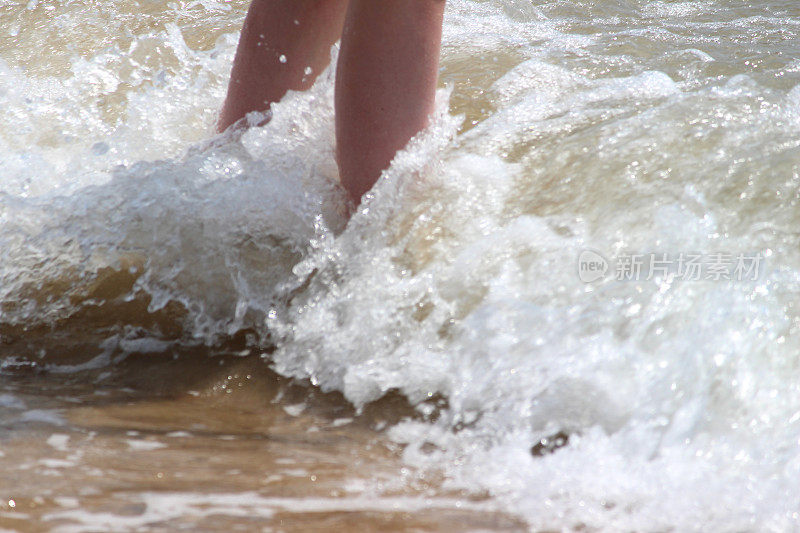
(641, 129)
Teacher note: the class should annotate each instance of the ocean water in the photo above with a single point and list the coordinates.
(570, 304)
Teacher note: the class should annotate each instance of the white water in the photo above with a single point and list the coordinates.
(634, 127)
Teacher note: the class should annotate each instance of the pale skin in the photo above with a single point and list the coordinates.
(385, 80)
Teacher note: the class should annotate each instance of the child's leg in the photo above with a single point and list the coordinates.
(280, 40)
(385, 83)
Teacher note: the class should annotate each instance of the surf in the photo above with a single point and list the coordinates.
(449, 301)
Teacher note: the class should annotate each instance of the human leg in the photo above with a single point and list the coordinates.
(385, 83)
(280, 40)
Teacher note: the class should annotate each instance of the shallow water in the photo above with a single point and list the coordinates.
(404, 365)
(185, 440)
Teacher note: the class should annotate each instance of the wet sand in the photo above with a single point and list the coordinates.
(196, 438)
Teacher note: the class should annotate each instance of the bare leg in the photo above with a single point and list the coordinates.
(280, 40)
(385, 83)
